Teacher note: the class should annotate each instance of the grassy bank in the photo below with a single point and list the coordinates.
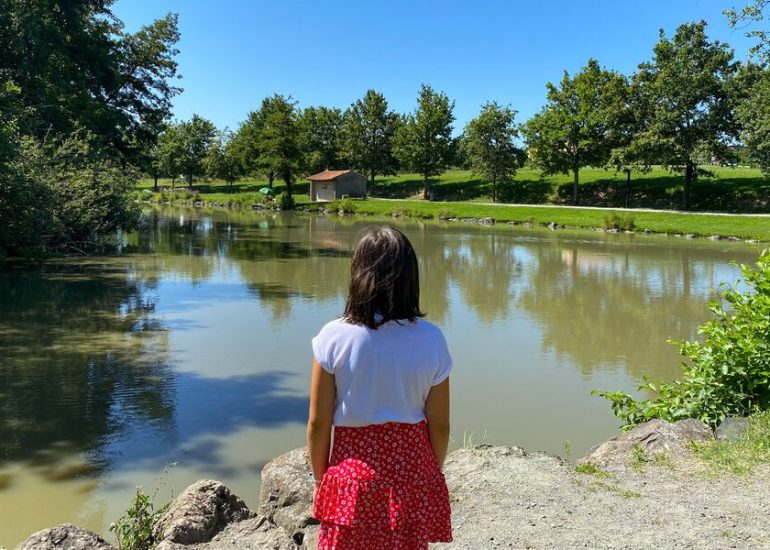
(461, 195)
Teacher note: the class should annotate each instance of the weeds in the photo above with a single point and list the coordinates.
(741, 456)
(621, 223)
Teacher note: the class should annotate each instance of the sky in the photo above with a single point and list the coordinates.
(233, 53)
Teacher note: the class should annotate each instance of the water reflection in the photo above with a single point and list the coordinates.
(192, 345)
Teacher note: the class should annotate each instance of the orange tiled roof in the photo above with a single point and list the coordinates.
(328, 175)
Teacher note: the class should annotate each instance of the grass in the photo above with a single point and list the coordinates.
(742, 456)
(460, 194)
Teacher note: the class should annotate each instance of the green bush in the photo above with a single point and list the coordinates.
(728, 373)
(622, 223)
(134, 530)
(347, 206)
(285, 201)
(64, 195)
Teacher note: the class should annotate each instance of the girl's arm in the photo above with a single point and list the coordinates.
(437, 416)
(319, 423)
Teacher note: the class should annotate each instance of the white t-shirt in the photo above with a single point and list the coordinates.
(382, 375)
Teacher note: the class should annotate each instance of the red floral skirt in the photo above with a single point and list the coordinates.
(383, 490)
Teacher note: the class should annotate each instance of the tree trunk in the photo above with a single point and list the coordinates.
(155, 180)
(628, 187)
(494, 189)
(371, 183)
(425, 188)
(189, 180)
(270, 178)
(287, 181)
(689, 173)
(575, 183)
(173, 182)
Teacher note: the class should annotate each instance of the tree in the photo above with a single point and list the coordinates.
(572, 130)
(751, 13)
(245, 143)
(78, 69)
(192, 140)
(425, 139)
(686, 88)
(753, 113)
(320, 138)
(489, 145)
(222, 161)
(368, 131)
(277, 138)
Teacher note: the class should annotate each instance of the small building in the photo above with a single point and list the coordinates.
(331, 185)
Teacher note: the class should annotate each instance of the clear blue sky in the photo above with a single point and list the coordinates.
(235, 52)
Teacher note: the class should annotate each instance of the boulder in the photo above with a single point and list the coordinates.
(200, 512)
(65, 537)
(286, 493)
(732, 428)
(651, 437)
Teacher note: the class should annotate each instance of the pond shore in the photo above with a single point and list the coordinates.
(752, 228)
(643, 489)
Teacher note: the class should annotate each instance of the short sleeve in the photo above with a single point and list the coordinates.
(320, 346)
(444, 361)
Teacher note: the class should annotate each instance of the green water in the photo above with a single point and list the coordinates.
(191, 346)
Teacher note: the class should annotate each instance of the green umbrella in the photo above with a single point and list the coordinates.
(267, 191)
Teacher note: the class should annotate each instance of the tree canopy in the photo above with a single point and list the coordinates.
(573, 130)
(490, 147)
(425, 142)
(368, 132)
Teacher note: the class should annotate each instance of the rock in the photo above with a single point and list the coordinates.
(689, 236)
(715, 237)
(287, 490)
(752, 241)
(553, 226)
(732, 428)
(200, 512)
(652, 437)
(65, 537)
(487, 221)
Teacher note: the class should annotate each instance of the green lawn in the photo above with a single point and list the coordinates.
(460, 194)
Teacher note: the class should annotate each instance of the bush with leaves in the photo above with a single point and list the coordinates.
(65, 195)
(134, 530)
(285, 201)
(728, 373)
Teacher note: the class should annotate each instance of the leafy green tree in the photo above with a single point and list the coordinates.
(245, 142)
(277, 139)
(752, 99)
(368, 132)
(686, 88)
(77, 68)
(753, 12)
(320, 138)
(425, 139)
(572, 130)
(490, 147)
(222, 161)
(192, 140)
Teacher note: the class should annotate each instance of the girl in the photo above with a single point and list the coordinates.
(380, 377)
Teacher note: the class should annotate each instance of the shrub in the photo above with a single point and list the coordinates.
(443, 213)
(616, 221)
(285, 201)
(728, 373)
(134, 530)
(346, 206)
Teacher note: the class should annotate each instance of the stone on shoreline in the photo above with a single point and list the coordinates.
(65, 537)
(200, 512)
(286, 491)
(732, 428)
(652, 437)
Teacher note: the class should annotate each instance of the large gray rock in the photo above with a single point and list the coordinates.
(65, 537)
(255, 533)
(655, 436)
(200, 512)
(732, 428)
(287, 490)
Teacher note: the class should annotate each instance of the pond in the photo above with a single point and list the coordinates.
(186, 355)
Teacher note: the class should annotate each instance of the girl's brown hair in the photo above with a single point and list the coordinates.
(384, 279)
